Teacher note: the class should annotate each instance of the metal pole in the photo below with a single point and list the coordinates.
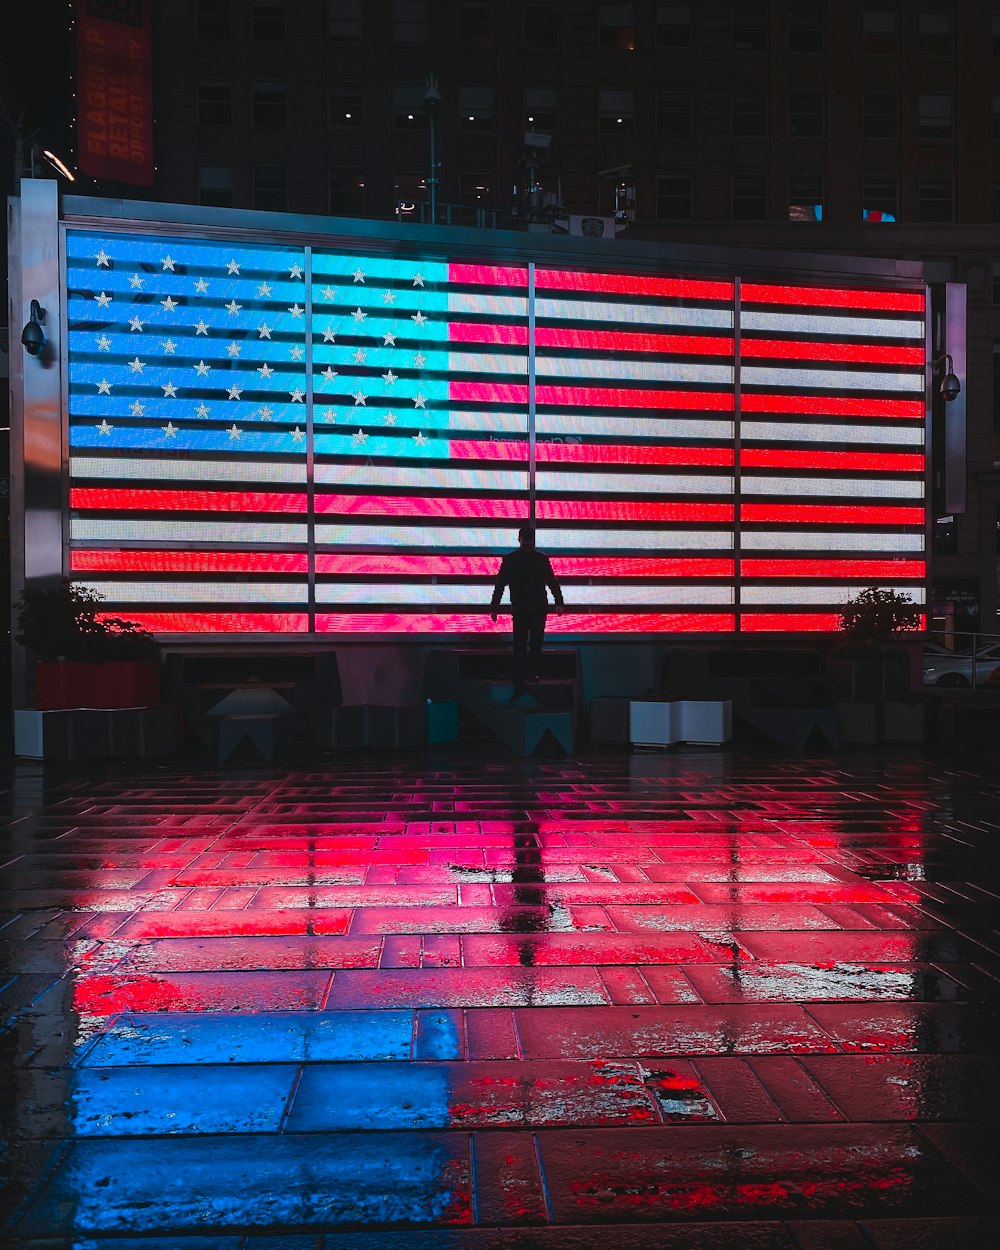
(432, 181)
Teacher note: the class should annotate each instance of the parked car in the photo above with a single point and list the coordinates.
(949, 668)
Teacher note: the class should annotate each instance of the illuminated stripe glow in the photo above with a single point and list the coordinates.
(834, 406)
(798, 349)
(815, 432)
(831, 514)
(240, 592)
(100, 560)
(628, 426)
(423, 593)
(782, 622)
(833, 297)
(421, 477)
(860, 488)
(831, 326)
(106, 498)
(832, 379)
(163, 531)
(594, 453)
(829, 540)
(571, 479)
(839, 594)
(597, 369)
(169, 469)
(379, 534)
(849, 461)
(592, 396)
(575, 339)
(221, 622)
(558, 623)
(869, 569)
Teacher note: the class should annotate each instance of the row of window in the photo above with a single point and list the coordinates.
(673, 24)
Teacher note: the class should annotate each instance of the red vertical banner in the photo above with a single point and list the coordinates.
(115, 90)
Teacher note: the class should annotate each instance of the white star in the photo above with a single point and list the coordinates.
(169, 303)
(233, 307)
(389, 378)
(233, 432)
(104, 343)
(329, 293)
(168, 262)
(419, 401)
(201, 286)
(235, 391)
(169, 347)
(359, 398)
(295, 271)
(359, 315)
(297, 395)
(329, 415)
(137, 409)
(136, 281)
(135, 365)
(390, 418)
(296, 311)
(104, 387)
(169, 390)
(264, 291)
(234, 349)
(103, 258)
(170, 430)
(265, 413)
(265, 370)
(359, 274)
(202, 410)
(359, 437)
(419, 360)
(232, 267)
(389, 339)
(201, 327)
(135, 324)
(103, 299)
(202, 369)
(297, 435)
(329, 373)
(103, 428)
(418, 319)
(389, 297)
(420, 438)
(360, 356)
(296, 352)
(418, 279)
(265, 331)
(328, 335)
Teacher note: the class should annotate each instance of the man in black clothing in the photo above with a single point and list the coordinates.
(527, 572)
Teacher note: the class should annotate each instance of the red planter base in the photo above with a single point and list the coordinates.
(115, 683)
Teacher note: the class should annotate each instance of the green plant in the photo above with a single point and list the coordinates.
(65, 623)
(874, 618)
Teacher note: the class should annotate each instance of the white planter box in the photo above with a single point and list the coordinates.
(680, 720)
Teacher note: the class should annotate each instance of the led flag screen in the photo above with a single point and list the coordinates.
(282, 439)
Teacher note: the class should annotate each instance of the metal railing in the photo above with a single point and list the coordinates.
(967, 660)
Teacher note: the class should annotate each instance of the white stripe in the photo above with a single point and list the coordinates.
(199, 533)
(502, 538)
(479, 423)
(898, 434)
(239, 591)
(593, 369)
(831, 541)
(436, 479)
(666, 427)
(604, 595)
(598, 482)
(200, 472)
(859, 487)
(502, 307)
(819, 595)
(832, 325)
(611, 313)
(832, 379)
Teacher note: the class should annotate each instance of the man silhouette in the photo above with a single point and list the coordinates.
(526, 572)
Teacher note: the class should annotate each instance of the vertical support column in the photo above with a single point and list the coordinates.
(37, 436)
(737, 546)
(954, 411)
(310, 448)
(531, 391)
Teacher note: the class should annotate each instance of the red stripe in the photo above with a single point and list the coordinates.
(831, 297)
(830, 514)
(129, 499)
(565, 623)
(379, 565)
(629, 510)
(487, 275)
(591, 340)
(590, 453)
(106, 561)
(632, 284)
(220, 622)
(868, 353)
(832, 406)
(771, 622)
(591, 396)
(889, 569)
(860, 461)
(423, 506)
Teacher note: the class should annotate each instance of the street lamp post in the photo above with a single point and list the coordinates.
(432, 102)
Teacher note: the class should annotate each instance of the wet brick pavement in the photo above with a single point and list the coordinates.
(691, 1001)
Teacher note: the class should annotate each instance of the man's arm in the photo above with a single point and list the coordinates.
(553, 584)
(499, 586)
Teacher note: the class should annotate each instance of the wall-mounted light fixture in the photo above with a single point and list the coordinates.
(32, 336)
(950, 387)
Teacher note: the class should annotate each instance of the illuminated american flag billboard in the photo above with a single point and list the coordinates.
(292, 439)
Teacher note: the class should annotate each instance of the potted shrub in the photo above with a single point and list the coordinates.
(869, 664)
(82, 657)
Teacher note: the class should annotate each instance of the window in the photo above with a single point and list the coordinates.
(750, 25)
(213, 19)
(268, 104)
(267, 21)
(673, 25)
(409, 21)
(477, 189)
(215, 185)
(475, 108)
(937, 199)
(346, 104)
(806, 27)
(673, 111)
(541, 108)
(881, 115)
(880, 27)
(215, 104)
(805, 112)
(805, 197)
(541, 26)
(408, 106)
(749, 197)
(475, 25)
(344, 20)
(347, 193)
(749, 110)
(935, 115)
(409, 188)
(616, 112)
(616, 27)
(673, 197)
(270, 188)
(936, 32)
(881, 194)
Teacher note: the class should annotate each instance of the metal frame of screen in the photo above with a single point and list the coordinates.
(709, 443)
